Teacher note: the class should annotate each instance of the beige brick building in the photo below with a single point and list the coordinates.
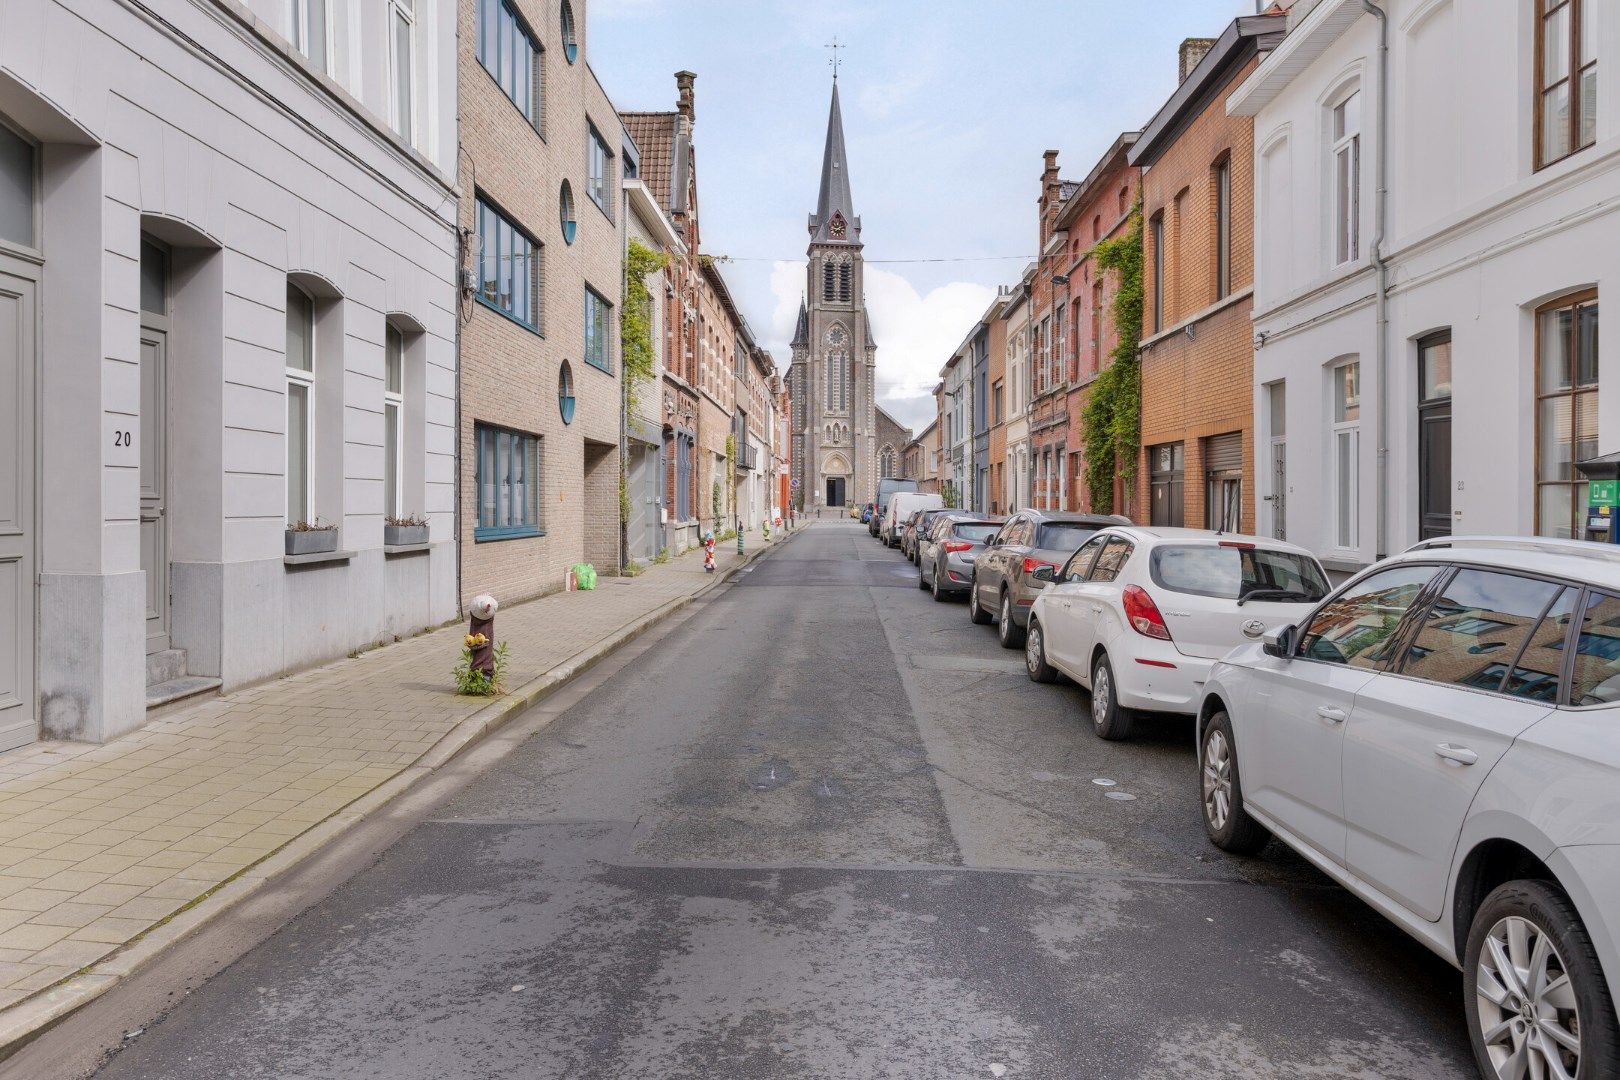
(542, 153)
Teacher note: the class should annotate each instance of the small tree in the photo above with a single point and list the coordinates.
(1112, 418)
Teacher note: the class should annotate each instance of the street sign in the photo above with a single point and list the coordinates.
(1602, 492)
(795, 482)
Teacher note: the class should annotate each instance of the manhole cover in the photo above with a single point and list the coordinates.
(1122, 796)
(1103, 781)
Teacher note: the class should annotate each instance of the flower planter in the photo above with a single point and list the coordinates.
(311, 541)
(404, 535)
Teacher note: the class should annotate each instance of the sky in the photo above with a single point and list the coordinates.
(947, 104)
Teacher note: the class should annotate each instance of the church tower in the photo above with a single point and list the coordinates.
(833, 373)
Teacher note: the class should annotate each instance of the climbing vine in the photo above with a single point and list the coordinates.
(1113, 413)
(636, 343)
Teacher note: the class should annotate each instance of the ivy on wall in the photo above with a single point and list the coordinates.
(1113, 414)
(635, 343)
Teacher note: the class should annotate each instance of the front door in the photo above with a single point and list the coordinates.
(154, 486)
(18, 311)
(835, 491)
(1434, 436)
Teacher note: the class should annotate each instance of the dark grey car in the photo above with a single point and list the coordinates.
(1004, 585)
(949, 551)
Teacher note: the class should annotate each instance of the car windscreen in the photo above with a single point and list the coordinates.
(1234, 573)
(979, 533)
(1060, 537)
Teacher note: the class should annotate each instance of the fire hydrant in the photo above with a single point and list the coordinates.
(708, 553)
(481, 633)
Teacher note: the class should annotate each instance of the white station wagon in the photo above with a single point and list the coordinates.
(1442, 736)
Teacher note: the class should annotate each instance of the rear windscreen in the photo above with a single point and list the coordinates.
(1064, 537)
(976, 532)
(1232, 573)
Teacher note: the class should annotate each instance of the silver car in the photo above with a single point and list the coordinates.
(1004, 579)
(948, 552)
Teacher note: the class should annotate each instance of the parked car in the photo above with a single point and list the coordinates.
(901, 506)
(948, 553)
(866, 513)
(887, 487)
(1139, 615)
(1004, 585)
(925, 528)
(1442, 736)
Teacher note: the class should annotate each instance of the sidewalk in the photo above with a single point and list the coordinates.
(101, 844)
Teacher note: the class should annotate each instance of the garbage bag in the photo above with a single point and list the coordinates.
(584, 576)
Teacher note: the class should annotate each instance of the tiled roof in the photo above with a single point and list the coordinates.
(654, 135)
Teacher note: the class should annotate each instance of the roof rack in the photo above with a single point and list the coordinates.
(1583, 549)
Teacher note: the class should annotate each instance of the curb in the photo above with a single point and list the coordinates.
(24, 1021)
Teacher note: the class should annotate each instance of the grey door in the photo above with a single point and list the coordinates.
(18, 312)
(154, 486)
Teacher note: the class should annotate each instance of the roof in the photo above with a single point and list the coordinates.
(870, 344)
(1574, 560)
(1114, 156)
(834, 199)
(1184, 535)
(801, 332)
(654, 135)
(1312, 30)
(1244, 37)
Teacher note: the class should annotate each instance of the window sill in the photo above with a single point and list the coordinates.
(520, 532)
(316, 558)
(604, 369)
(405, 549)
(507, 315)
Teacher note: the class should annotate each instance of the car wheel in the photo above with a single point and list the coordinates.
(979, 616)
(922, 582)
(939, 597)
(1035, 655)
(1534, 990)
(1110, 721)
(1227, 824)
(1010, 633)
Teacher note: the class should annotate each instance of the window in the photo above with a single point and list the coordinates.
(1096, 327)
(1167, 464)
(402, 62)
(1080, 562)
(570, 37)
(845, 278)
(508, 275)
(997, 395)
(509, 53)
(1156, 238)
(1478, 629)
(1566, 79)
(1347, 180)
(310, 32)
(565, 392)
(1061, 535)
(1596, 673)
(154, 277)
(1566, 412)
(16, 188)
(598, 327)
(1111, 561)
(1233, 573)
(300, 415)
(508, 475)
(828, 289)
(393, 428)
(1060, 350)
(600, 172)
(1352, 627)
(1346, 455)
(1223, 482)
(1277, 407)
(1223, 228)
(565, 212)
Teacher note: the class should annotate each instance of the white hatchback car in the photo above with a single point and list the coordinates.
(1442, 736)
(1139, 615)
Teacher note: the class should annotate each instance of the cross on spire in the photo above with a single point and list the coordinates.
(834, 59)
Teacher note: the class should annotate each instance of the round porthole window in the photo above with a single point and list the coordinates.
(565, 211)
(569, 39)
(565, 392)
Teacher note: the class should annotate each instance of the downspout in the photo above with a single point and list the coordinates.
(1381, 264)
(624, 385)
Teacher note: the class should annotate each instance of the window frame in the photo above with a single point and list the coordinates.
(1222, 183)
(303, 379)
(483, 205)
(529, 443)
(1575, 303)
(298, 32)
(598, 188)
(1346, 525)
(598, 331)
(1575, 13)
(34, 243)
(568, 30)
(1156, 269)
(393, 421)
(402, 11)
(1345, 201)
(504, 16)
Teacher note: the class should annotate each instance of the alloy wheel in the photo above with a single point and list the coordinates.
(1217, 780)
(1101, 695)
(1032, 648)
(1006, 614)
(1527, 1011)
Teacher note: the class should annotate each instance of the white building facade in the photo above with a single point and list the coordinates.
(1454, 389)
(956, 439)
(1016, 313)
(227, 303)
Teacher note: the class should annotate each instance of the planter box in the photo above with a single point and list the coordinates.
(312, 542)
(404, 535)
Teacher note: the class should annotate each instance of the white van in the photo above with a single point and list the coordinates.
(902, 504)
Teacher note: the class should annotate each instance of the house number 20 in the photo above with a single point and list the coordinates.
(122, 438)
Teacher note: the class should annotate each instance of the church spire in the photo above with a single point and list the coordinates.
(834, 220)
(801, 332)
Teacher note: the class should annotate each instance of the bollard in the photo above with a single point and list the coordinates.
(482, 624)
(739, 536)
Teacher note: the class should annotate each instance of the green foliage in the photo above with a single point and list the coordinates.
(635, 323)
(949, 494)
(715, 503)
(1112, 419)
(662, 557)
(474, 683)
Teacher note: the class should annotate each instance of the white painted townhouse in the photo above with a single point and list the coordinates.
(1438, 202)
(227, 304)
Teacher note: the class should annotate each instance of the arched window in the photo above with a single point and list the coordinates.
(886, 462)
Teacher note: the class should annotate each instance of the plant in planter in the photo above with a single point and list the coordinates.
(405, 531)
(311, 537)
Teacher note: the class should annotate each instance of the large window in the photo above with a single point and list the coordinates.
(1346, 457)
(393, 428)
(508, 482)
(509, 53)
(16, 188)
(1346, 169)
(402, 64)
(1156, 241)
(1566, 411)
(1223, 227)
(508, 277)
(1566, 78)
(300, 412)
(598, 327)
(1478, 630)
(1223, 482)
(600, 172)
(310, 31)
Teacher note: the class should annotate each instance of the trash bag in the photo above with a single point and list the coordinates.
(584, 576)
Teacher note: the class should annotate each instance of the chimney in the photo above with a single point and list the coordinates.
(1193, 50)
(683, 83)
(1049, 195)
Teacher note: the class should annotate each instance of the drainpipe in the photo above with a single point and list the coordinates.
(1381, 264)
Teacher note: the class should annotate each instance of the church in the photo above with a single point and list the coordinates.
(843, 442)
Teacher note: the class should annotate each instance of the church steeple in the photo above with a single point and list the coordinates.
(801, 332)
(834, 220)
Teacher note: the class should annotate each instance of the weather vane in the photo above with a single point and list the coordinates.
(834, 61)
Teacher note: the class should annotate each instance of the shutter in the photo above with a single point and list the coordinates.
(1224, 453)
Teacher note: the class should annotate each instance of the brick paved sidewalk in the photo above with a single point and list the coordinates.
(99, 844)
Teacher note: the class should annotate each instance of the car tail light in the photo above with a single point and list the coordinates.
(1240, 545)
(956, 545)
(1032, 565)
(1143, 614)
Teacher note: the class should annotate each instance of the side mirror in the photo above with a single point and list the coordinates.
(1044, 573)
(1279, 642)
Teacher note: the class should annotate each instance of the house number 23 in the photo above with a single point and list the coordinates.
(123, 438)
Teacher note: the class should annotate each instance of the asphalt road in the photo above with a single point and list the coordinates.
(824, 828)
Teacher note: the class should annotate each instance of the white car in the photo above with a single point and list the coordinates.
(1442, 736)
(1139, 615)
